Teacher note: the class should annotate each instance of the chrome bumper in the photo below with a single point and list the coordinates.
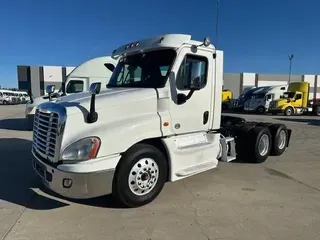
(74, 185)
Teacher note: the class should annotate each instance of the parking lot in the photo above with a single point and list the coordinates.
(279, 199)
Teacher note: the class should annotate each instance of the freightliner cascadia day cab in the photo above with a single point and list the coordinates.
(98, 69)
(295, 101)
(158, 120)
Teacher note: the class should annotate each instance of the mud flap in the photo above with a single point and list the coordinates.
(289, 136)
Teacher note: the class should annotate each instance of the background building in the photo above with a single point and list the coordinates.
(36, 78)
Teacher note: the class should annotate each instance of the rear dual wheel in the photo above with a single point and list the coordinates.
(254, 144)
(279, 139)
(260, 140)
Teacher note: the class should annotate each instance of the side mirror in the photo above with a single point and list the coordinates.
(95, 88)
(50, 89)
(93, 115)
(110, 66)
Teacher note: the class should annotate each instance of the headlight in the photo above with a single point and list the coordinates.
(28, 110)
(82, 150)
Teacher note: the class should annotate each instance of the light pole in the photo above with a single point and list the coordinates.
(290, 64)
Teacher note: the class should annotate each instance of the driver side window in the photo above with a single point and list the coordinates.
(298, 96)
(269, 97)
(193, 68)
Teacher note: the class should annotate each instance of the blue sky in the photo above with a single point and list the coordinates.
(256, 35)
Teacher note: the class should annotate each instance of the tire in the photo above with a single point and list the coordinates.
(288, 111)
(279, 139)
(261, 110)
(317, 111)
(140, 160)
(256, 136)
(5, 103)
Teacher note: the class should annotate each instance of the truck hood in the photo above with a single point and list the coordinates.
(255, 101)
(39, 100)
(281, 101)
(110, 97)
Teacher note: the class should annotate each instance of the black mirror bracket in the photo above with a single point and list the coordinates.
(182, 98)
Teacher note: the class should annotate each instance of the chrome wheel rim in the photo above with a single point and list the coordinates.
(263, 145)
(143, 176)
(282, 139)
(289, 111)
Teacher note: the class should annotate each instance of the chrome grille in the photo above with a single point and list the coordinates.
(235, 103)
(45, 133)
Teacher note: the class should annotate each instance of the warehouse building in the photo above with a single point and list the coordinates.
(36, 78)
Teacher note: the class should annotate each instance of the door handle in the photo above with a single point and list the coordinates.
(205, 117)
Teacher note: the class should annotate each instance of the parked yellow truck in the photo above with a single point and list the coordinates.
(294, 101)
(226, 98)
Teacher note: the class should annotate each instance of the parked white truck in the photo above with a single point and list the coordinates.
(94, 70)
(158, 120)
(261, 99)
(6, 97)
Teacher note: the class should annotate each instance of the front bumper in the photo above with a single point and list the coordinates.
(249, 109)
(83, 185)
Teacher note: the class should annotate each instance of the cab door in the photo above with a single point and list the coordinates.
(193, 115)
(297, 100)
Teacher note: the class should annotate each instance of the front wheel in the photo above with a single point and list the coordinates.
(261, 110)
(317, 111)
(5, 102)
(140, 175)
(288, 111)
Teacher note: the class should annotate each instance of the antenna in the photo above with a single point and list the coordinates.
(217, 23)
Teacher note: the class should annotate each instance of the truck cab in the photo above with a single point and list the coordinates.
(260, 100)
(159, 120)
(78, 80)
(294, 101)
(226, 98)
(5, 97)
(239, 104)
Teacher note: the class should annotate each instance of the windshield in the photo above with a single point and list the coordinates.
(289, 94)
(143, 70)
(258, 96)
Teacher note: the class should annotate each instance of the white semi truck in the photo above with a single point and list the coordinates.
(158, 120)
(98, 69)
